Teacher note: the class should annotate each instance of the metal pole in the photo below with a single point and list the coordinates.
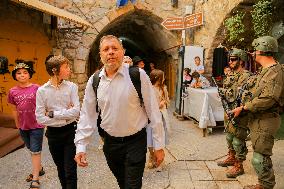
(181, 75)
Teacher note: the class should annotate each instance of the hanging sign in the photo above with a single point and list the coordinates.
(180, 23)
(173, 23)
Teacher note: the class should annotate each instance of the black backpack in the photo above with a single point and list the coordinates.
(135, 78)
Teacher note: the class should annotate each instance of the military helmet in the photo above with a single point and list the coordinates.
(22, 66)
(239, 53)
(265, 44)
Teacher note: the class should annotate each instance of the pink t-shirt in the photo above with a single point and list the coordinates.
(25, 101)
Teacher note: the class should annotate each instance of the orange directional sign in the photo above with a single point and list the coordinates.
(173, 23)
(193, 20)
(180, 23)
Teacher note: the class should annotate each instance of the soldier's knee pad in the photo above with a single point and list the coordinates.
(229, 138)
(237, 142)
(240, 148)
(257, 162)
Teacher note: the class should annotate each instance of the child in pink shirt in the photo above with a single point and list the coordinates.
(23, 101)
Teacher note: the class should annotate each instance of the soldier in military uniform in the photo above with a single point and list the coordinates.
(267, 100)
(236, 134)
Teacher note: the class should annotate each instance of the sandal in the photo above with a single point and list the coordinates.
(30, 177)
(35, 186)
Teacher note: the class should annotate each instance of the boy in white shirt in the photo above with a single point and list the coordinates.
(58, 107)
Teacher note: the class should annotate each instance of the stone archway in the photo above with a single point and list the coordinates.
(142, 35)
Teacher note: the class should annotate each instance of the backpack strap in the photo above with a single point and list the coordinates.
(95, 84)
(135, 78)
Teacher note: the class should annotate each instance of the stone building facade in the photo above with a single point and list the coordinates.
(140, 22)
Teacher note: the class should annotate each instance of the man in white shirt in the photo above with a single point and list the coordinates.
(123, 118)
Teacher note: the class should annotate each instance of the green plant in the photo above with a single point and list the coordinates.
(235, 27)
(262, 17)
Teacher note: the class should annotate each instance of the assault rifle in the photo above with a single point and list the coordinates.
(243, 92)
(225, 106)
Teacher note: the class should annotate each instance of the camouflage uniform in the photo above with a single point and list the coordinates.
(240, 132)
(236, 136)
(265, 120)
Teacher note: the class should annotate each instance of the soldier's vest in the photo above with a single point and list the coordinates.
(236, 80)
(249, 85)
(229, 81)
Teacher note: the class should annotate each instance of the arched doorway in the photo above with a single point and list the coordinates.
(142, 35)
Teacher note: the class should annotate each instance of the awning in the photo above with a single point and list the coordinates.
(52, 10)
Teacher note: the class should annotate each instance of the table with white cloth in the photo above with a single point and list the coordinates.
(204, 105)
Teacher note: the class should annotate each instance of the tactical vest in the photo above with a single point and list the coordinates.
(234, 82)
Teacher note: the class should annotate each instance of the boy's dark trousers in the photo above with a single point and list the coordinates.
(63, 150)
(126, 158)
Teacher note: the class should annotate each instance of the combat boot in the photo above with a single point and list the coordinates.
(229, 161)
(257, 186)
(236, 170)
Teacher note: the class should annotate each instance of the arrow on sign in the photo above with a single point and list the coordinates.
(173, 23)
(180, 23)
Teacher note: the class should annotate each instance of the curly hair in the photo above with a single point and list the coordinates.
(54, 63)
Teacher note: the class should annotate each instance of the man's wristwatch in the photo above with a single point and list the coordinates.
(51, 114)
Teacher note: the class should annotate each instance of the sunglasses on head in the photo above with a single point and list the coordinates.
(233, 59)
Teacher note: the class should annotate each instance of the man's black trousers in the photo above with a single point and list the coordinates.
(63, 150)
(126, 158)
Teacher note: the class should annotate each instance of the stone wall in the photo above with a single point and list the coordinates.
(101, 13)
(214, 15)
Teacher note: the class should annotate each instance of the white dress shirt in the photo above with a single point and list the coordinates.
(48, 98)
(121, 112)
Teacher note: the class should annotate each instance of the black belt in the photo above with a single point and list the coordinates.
(126, 138)
(63, 128)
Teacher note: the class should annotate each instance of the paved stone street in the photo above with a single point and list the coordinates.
(190, 164)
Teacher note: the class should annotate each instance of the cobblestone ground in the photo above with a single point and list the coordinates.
(190, 164)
